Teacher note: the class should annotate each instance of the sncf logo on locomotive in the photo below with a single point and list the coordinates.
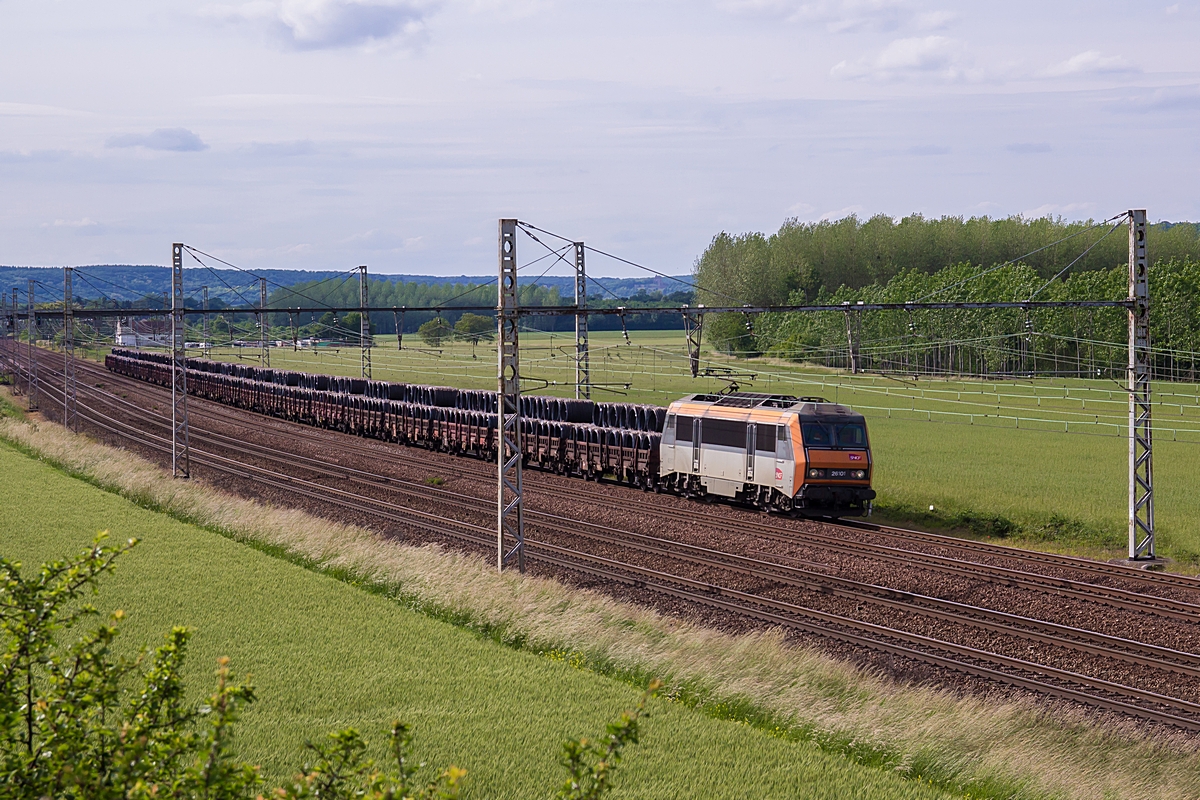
(855, 457)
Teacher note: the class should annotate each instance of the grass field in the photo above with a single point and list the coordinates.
(1046, 458)
(324, 654)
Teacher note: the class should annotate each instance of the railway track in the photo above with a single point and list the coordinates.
(965, 552)
(1127, 650)
(966, 565)
(1042, 678)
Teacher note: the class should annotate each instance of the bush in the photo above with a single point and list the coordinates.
(79, 721)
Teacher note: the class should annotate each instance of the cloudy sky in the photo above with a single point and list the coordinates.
(327, 133)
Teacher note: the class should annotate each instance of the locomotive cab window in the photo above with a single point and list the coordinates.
(668, 435)
(842, 434)
(850, 435)
(683, 429)
(815, 434)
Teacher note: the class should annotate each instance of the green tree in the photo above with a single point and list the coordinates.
(352, 322)
(475, 327)
(327, 324)
(435, 331)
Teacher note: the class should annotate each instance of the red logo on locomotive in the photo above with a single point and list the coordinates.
(778, 474)
(855, 457)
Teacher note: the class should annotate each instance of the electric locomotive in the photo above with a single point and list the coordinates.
(801, 455)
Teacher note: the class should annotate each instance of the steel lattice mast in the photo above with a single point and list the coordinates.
(31, 385)
(70, 420)
(204, 319)
(1141, 468)
(364, 325)
(510, 525)
(16, 337)
(264, 351)
(583, 378)
(180, 462)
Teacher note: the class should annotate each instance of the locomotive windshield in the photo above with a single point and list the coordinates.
(834, 434)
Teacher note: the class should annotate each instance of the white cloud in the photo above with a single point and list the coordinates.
(1071, 210)
(86, 222)
(301, 147)
(1089, 62)
(1169, 98)
(935, 57)
(1172, 9)
(179, 140)
(258, 101)
(934, 20)
(839, 16)
(841, 213)
(511, 8)
(332, 24)
(928, 150)
(33, 110)
(1029, 148)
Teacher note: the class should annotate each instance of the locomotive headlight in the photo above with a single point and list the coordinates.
(816, 473)
(860, 474)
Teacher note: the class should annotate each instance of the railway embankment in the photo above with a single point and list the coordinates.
(1004, 746)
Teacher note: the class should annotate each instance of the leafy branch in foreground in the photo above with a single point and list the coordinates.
(591, 762)
(80, 721)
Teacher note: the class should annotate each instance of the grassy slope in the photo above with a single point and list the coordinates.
(1031, 475)
(325, 654)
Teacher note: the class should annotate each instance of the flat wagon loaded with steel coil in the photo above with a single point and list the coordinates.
(787, 454)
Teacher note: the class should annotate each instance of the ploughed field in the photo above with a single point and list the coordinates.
(843, 577)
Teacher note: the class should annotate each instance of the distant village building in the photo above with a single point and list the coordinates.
(143, 332)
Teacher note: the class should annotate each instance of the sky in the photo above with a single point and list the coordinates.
(322, 134)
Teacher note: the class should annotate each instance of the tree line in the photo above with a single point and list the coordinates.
(453, 297)
(808, 257)
(830, 263)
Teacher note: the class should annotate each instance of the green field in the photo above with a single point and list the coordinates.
(1046, 456)
(325, 654)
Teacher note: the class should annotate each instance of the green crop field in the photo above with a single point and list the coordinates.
(325, 654)
(1046, 456)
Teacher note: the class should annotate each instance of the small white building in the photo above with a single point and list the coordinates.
(143, 333)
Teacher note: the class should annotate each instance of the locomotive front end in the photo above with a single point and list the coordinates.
(835, 478)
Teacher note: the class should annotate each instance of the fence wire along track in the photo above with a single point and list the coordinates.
(767, 589)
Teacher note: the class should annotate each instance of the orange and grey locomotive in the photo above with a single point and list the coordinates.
(789, 454)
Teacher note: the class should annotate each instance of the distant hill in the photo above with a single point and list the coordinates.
(125, 282)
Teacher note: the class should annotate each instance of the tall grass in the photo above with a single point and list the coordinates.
(998, 749)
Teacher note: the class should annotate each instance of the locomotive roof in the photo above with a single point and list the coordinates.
(752, 400)
(809, 407)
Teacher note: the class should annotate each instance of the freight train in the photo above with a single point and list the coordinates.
(795, 455)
